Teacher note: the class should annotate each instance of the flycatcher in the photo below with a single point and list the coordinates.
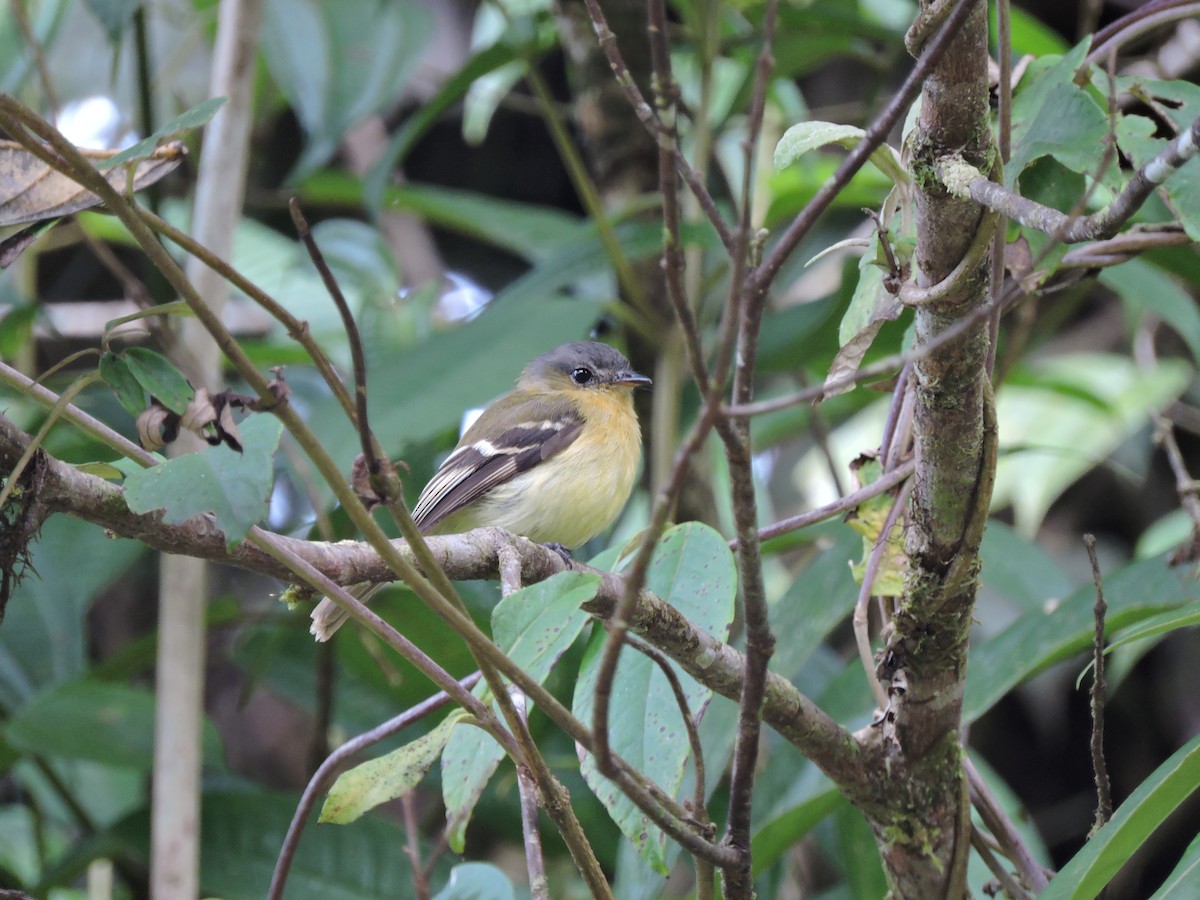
(553, 460)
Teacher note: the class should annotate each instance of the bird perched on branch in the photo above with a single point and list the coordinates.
(553, 460)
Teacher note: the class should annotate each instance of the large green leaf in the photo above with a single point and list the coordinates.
(1184, 881)
(530, 231)
(1043, 411)
(1057, 631)
(1053, 116)
(95, 720)
(822, 595)
(534, 626)
(338, 61)
(1147, 289)
(1130, 828)
(42, 637)
(233, 486)
(693, 570)
(242, 832)
(1019, 570)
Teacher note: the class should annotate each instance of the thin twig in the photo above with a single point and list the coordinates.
(840, 506)
(1011, 888)
(321, 780)
(1104, 807)
(608, 43)
(296, 329)
(1137, 22)
(1032, 875)
(383, 477)
(698, 808)
(412, 848)
(760, 641)
(535, 862)
(673, 260)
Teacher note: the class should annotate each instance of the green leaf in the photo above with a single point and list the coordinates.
(198, 115)
(1178, 101)
(159, 377)
(1060, 630)
(1156, 626)
(534, 626)
(16, 327)
(1146, 289)
(807, 136)
(1184, 882)
(1019, 569)
(129, 391)
(1130, 827)
(339, 61)
(530, 231)
(241, 834)
(693, 570)
(1031, 37)
(94, 720)
(386, 778)
(1105, 397)
(42, 639)
(858, 854)
(476, 881)
(1053, 116)
(821, 596)
(233, 486)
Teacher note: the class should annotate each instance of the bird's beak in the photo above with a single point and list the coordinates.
(631, 378)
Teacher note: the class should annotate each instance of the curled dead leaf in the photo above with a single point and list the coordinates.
(31, 190)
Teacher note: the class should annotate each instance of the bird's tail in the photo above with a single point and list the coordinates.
(327, 616)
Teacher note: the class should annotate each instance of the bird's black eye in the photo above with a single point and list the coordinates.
(581, 375)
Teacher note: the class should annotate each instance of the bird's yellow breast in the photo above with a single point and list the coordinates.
(573, 496)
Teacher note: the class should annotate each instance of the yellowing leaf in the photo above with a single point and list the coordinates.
(378, 780)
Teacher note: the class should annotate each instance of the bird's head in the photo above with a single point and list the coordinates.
(582, 366)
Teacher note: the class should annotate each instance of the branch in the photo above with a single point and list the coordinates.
(966, 182)
(472, 556)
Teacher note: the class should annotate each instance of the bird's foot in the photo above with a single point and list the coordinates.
(563, 553)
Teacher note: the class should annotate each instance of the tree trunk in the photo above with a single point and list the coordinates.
(923, 824)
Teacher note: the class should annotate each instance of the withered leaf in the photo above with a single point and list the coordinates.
(31, 190)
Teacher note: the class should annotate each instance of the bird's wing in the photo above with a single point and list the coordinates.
(479, 464)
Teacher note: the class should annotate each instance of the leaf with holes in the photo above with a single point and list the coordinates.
(390, 776)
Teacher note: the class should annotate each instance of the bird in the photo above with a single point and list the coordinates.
(553, 460)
